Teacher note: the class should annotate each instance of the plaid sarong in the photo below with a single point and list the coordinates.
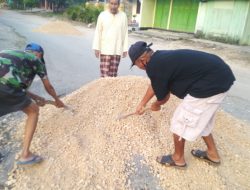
(109, 65)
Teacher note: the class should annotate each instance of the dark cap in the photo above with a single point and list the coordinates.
(35, 47)
(137, 49)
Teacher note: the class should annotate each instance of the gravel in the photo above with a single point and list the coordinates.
(58, 27)
(91, 149)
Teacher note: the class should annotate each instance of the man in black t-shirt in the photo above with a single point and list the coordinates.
(200, 79)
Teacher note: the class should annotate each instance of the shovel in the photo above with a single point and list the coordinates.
(124, 116)
(67, 108)
(121, 116)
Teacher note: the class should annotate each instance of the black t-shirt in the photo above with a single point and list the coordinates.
(183, 72)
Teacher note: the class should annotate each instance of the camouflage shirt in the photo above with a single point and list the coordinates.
(19, 68)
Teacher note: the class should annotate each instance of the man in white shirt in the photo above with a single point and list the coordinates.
(111, 38)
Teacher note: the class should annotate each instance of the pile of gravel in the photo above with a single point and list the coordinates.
(91, 149)
(58, 27)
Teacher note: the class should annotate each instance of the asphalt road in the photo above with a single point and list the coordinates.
(71, 62)
(70, 59)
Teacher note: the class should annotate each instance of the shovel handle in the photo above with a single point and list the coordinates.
(65, 107)
(50, 102)
(146, 109)
(133, 113)
(125, 116)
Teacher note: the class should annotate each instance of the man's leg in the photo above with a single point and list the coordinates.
(176, 159)
(105, 65)
(32, 112)
(212, 152)
(178, 155)
(114, 63)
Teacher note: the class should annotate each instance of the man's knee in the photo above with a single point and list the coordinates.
(32, 109)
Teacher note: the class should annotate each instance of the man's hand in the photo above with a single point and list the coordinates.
(40, 101)
(155, 106)
(97, 53)
(149, 94)
(125, 53)
(140, 109)
(59, 103)
(51, 91)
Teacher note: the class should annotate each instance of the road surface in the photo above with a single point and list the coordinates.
(71, 63)
(70, 59)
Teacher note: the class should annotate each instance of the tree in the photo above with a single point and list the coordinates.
(30, 3)
(57, 5)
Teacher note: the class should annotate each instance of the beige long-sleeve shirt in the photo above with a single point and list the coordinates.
(111, 34)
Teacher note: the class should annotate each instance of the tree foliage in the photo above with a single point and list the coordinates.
(75, 9)
(84, 13)
(56, 5)
(30, 3)
(62, 4)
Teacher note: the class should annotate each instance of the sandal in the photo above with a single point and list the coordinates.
(202, 155)
(167, 160)
(34, 159)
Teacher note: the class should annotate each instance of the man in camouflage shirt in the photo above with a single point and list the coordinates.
(17, 71)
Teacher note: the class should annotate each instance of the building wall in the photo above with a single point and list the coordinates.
(222, 19)
(147, 13)
(184, 15)
(134, 4)
(246, 34)
(134, 9)
(177, 15)
(162, 14)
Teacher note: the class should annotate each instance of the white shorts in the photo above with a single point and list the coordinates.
(194, 117)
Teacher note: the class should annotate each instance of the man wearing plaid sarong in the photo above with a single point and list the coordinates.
(111, 39)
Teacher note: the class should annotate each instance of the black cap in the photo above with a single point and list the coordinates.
(137, 49)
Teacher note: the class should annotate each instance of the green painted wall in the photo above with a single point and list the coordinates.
(147, 13)
(223, 20)
(246, 34)
(161, 14)
(183, 17)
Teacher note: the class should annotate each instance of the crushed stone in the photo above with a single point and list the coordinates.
(91, 149)
(58, 27)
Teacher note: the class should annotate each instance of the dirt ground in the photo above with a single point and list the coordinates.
(93, 150)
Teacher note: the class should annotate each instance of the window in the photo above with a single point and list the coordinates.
(138, 6)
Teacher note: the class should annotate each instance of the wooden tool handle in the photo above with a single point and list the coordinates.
(50, 102)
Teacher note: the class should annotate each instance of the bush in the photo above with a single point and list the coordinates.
(30, 3)
(83, 13)
(71, 13)
(16, 4)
